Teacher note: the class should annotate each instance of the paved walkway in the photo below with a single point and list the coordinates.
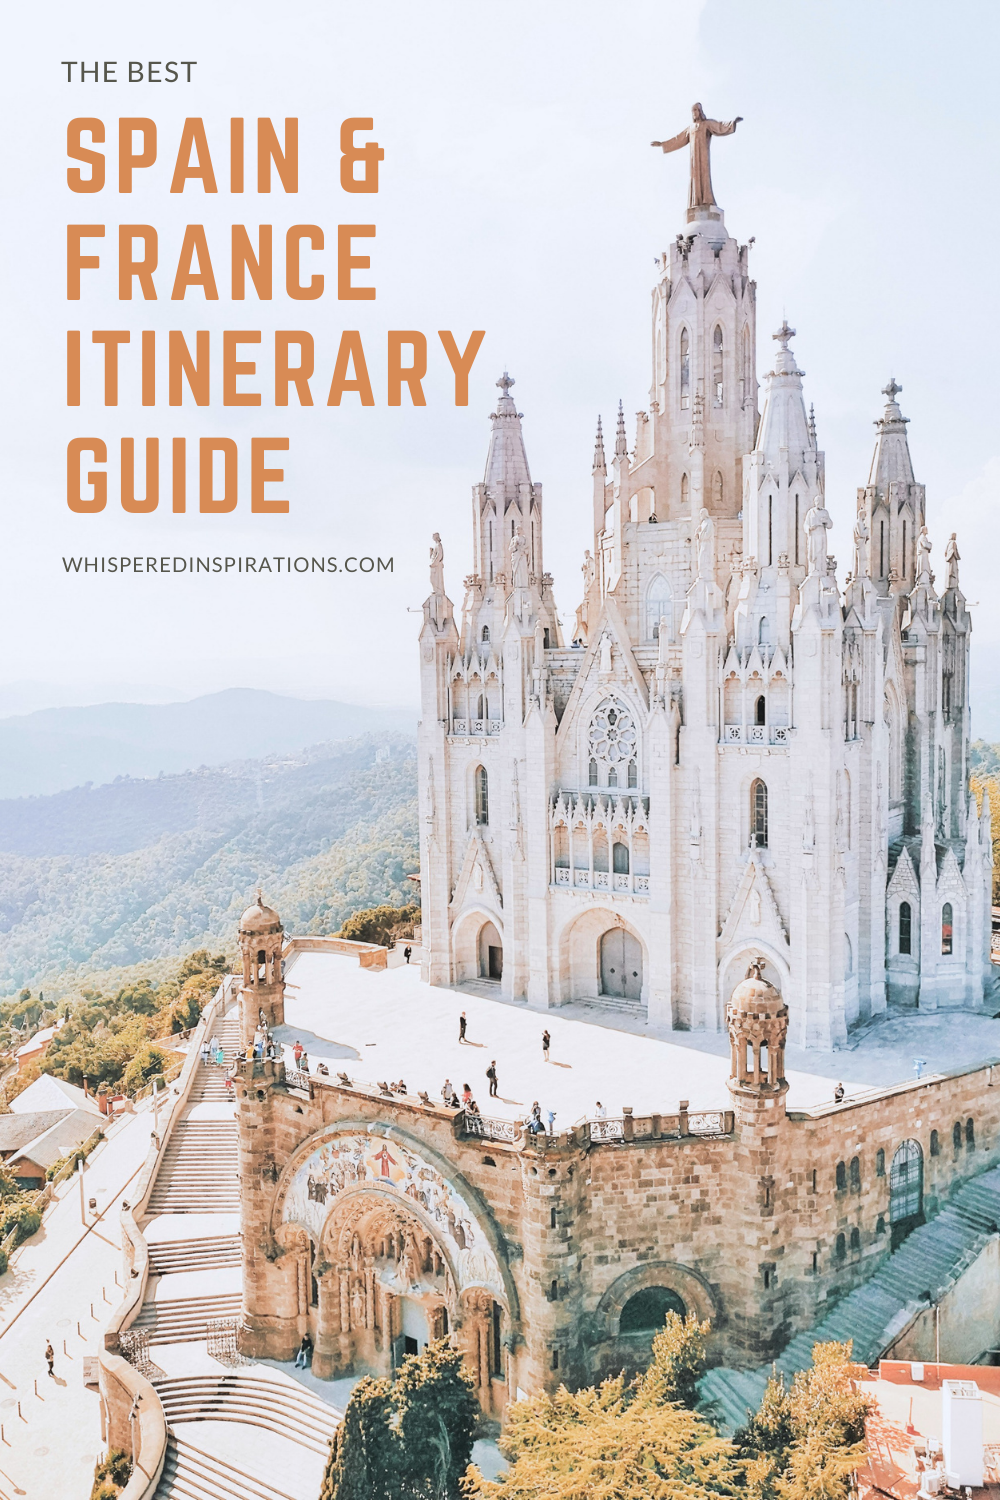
(386, 1025)
(50, 1441)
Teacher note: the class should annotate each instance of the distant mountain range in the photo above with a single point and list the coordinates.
(54, 749)
(99, 877)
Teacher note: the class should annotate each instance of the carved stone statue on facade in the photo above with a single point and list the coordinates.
(698, 135)
(861, 535)
(437, 566)
(817, 523)
(705, 542)
(519, 560)
(924, 559)
(952, 557)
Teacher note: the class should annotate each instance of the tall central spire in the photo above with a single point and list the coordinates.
(507, 461)
(891, 459)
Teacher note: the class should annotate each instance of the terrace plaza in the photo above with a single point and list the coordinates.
(683, 1170)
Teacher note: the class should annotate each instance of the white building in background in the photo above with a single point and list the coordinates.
(733, 755)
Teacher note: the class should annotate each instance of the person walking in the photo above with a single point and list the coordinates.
(546, 1042)
(220, 1056)
(213, 1048)
(303, 1358)
(462, 1023)
(204, 1054)
(50, 1357)
(466, 1095)
(406, 952)
(446, 1090)
(297, 1051)
(491, 1073)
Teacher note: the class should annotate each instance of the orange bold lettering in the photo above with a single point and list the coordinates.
(411, 374)
(286, 162)
(75, 262)
(286, 374)
(461, 363)
(127, 158)
(193, 138)
(128, 267)
(293, 283)
(346, 263)
(129, 502)
(233, 367)
(77, 151)
(74, 481)
(350, 351)
(259, 476)
(194, 243)
(207, 503)
(180, 365)
(259, 265)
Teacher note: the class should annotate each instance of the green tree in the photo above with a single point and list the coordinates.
(436, 1418)
(146, 1064)
(364, 1453)
(407, 1439)
(820, 1468)
(766, 1441)
(380, 924)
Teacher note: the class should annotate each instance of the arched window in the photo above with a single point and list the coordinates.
(841, 1247)
(486, 633)
(880, 1226)
(685, 489)
(841, 1177)
(855, 1241)
(758, 815)
(659, 606)
(855, 1172)
(619, 859)
(946, 928)
(718, 489)
(905, 921)
(764, 631)
(935, 1143)
(633, 773)
(760, 710)
(717, 383)
(956, 1136)
(482, 796)
(906, 1191)
(880, 1163)
(648, 1309)
(613, 776)
(970, 1135)
(685, 370)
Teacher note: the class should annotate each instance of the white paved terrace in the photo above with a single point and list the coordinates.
(387, 1025)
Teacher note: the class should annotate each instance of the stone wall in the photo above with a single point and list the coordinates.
(742, 1226)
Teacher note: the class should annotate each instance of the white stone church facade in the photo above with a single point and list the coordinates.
(733, 755)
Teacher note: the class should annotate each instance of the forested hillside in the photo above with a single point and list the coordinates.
(106, 877)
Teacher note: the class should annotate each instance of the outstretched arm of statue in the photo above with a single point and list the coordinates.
(723, 127)
(675, 143)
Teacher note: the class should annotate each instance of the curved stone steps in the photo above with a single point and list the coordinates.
(189, 1473)
(278, 1406)
(184, 1320)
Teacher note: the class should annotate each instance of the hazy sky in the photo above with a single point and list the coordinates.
(518, 194)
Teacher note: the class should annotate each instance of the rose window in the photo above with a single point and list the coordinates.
(613, 735)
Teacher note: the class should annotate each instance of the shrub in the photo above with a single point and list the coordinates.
(380, 924)
(111, 1475)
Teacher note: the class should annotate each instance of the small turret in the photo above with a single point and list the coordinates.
(758, 1026)
(261, 940)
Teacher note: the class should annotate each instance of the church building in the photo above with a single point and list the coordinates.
(733, 754)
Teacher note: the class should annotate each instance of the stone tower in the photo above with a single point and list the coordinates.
(261, 941)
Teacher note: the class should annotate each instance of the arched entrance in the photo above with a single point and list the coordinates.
(621, 965)
(906, 1191)
(400, 1255)
(490, 953)
(646, 1310)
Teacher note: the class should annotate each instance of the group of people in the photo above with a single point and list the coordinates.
(212, 1052)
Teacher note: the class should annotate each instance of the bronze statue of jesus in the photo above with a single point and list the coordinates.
(698, 136)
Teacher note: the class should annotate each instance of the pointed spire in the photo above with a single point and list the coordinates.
(783, 421)
(507, 461)
(621, 442)
(891, 459)
(812, 425)
(600, 467)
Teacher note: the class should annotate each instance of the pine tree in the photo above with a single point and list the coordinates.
(364, 1457)
(436, 1418)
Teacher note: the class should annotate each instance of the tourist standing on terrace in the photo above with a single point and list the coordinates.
(546, 1041)
(491, 1073)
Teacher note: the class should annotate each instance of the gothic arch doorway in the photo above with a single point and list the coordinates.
(621, 965)
(906, 1191)
(490, 953)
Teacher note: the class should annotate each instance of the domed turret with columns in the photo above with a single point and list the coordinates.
(261, 941)
(758, 1026)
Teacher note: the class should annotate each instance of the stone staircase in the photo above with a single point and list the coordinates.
(189, 1473)
(198, 1172)
(184, 1320)
(928, 1262)
(273, 1402)
(167, 1257)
